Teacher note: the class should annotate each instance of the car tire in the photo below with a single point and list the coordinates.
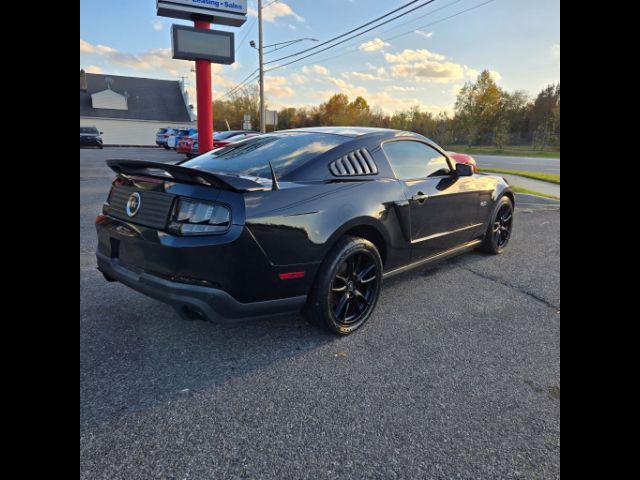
(349, 281)
(496, 238)
(166, 147)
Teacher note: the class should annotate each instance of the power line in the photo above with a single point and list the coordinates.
(355, 29)
(252, 76)
(248, 79)
(388, 38)
(356, 35)
(246, 34)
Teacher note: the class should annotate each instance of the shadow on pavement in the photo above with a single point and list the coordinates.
(136, 352)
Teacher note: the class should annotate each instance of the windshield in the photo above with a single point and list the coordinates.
(88, 130)
(162, 130)
(251, 157)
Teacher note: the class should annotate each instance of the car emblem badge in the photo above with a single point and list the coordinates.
(483, 203)
(133, 204)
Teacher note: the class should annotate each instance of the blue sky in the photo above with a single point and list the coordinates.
(407, 62)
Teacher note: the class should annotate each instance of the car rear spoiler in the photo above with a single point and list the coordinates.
(184, 175)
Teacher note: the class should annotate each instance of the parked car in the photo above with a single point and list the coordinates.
(162, 136)
(464, 158)
(306, 220)
(185, 143)
(90, 137)
(221, 139)
(173, 139)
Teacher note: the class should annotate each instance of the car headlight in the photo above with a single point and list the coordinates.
(197, 217)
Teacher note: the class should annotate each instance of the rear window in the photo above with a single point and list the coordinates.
(88, 130)
(251, 157)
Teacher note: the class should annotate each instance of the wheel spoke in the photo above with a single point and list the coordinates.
(356, 265)
(364, 272)
(496, 227)
(344, 284)
(359, 294)
(507, 217)
(344, 300)
(368, 280)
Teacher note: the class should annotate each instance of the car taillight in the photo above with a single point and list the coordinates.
(195, 217)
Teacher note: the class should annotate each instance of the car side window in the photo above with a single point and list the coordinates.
(412, 160)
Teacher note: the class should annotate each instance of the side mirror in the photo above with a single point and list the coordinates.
(464, 170)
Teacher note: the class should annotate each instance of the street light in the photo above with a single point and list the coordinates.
(261, 61)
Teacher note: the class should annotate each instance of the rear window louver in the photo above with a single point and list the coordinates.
(358, 162)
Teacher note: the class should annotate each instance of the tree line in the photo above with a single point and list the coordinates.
(484, 114)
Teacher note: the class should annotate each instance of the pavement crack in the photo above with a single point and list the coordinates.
(508, 285)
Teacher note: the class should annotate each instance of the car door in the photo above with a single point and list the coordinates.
(443, 207)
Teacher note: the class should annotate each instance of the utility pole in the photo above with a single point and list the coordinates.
(262, 119)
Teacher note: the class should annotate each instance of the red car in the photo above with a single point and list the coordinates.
(464, 158)
(222, 139)
(185, 143)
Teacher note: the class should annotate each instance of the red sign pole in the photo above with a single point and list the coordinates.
(203, 94)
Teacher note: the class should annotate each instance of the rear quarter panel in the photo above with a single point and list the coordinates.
(299, 225)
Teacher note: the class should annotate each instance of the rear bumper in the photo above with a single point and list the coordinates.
(193, 301)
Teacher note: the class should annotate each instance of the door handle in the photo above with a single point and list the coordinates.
(419, 197)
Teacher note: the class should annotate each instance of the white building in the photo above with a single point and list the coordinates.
(130, 110)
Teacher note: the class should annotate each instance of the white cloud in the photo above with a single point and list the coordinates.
(157, 25)
(93, 69)
(292, 27)
(276, 86)
(470, 72)
(555, 51)
(298, 79)
(275, 11)
(374, 45)
(359, 76)
(319, 69)
(423, 34)
(423, 65)
(409, 55)
(380, 74)
(86, 47)
(436, 72)
(397, 88)
(495, 75)
(158, 59)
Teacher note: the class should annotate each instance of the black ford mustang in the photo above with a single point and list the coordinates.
(307, 220)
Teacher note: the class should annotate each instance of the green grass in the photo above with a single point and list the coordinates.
(510, 150)
(531, 192)
(545, 177)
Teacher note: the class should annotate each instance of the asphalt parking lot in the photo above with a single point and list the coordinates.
(457, 374)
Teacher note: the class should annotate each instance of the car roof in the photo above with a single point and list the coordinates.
(355, 132)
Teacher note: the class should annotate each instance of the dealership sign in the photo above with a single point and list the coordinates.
(188, 43)
(222, 12)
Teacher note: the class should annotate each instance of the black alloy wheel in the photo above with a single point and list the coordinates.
(347, 286)
(499, 231)
(502, 225)
(354, 287)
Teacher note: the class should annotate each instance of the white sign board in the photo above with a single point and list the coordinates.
(221, 12)
(271, 117)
